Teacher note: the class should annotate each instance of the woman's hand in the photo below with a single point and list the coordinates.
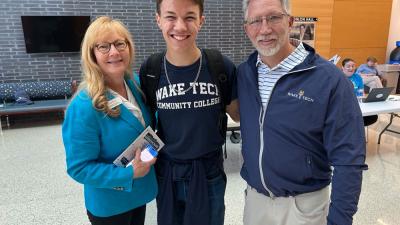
(140, 168)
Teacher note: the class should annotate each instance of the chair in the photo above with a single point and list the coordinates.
(366, 89)
(369, 120)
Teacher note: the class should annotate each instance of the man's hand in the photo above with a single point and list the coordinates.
(140, 168)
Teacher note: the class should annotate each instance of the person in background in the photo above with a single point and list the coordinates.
(348, 68)
(371, 76)
(301, 127)
(103, 119)
(305, 32)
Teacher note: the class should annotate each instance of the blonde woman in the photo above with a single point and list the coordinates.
(104, 117)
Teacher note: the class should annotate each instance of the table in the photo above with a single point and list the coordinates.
(391, 106)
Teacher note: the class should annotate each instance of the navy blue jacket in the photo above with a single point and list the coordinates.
(312, 122)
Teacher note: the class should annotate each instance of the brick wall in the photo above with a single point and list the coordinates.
(222, 30)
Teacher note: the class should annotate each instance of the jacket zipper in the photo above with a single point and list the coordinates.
(261, 123)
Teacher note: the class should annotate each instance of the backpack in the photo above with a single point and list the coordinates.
(149, 75)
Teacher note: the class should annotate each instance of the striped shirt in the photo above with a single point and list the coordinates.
(267, 77)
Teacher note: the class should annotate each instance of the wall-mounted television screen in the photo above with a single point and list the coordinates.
(54, 33)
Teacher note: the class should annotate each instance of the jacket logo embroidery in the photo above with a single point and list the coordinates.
(301, 96)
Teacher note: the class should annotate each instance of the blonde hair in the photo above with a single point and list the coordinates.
(93, 77)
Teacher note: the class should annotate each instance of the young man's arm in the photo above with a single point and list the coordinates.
(233, 110)
(378, 72)
(363, 71)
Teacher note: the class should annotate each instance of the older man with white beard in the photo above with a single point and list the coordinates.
(301, 125)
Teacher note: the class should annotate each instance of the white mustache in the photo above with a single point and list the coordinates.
(266, 37)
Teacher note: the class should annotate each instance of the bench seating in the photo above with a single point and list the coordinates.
(47, 96)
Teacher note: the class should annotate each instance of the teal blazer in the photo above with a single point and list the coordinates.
(92, 142)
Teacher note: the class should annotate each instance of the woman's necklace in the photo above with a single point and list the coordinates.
(195, 80)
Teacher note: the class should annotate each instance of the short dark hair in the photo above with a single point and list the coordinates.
(200, 3)
(346, 60)
(372, 59)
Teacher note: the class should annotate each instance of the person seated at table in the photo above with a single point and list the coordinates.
(371, 76)
(348, 68)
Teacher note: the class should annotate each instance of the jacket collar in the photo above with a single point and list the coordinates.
(127, 115)
(307, 63)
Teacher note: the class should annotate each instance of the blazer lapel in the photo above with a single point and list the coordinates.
(139, 100)
(128, 116)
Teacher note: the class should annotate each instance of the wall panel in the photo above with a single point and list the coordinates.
(360, 29)
(223, 30)
(323, 10)
(360, 54)
(352, 28)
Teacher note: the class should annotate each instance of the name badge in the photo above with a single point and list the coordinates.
(114, 102)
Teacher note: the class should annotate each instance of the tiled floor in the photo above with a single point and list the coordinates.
(34, 188)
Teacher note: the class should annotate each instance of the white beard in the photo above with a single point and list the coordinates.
(268, 51)
(271, 51)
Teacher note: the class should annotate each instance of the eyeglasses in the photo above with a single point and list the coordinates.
(106, 46)
(255, 23)
(349, 66)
